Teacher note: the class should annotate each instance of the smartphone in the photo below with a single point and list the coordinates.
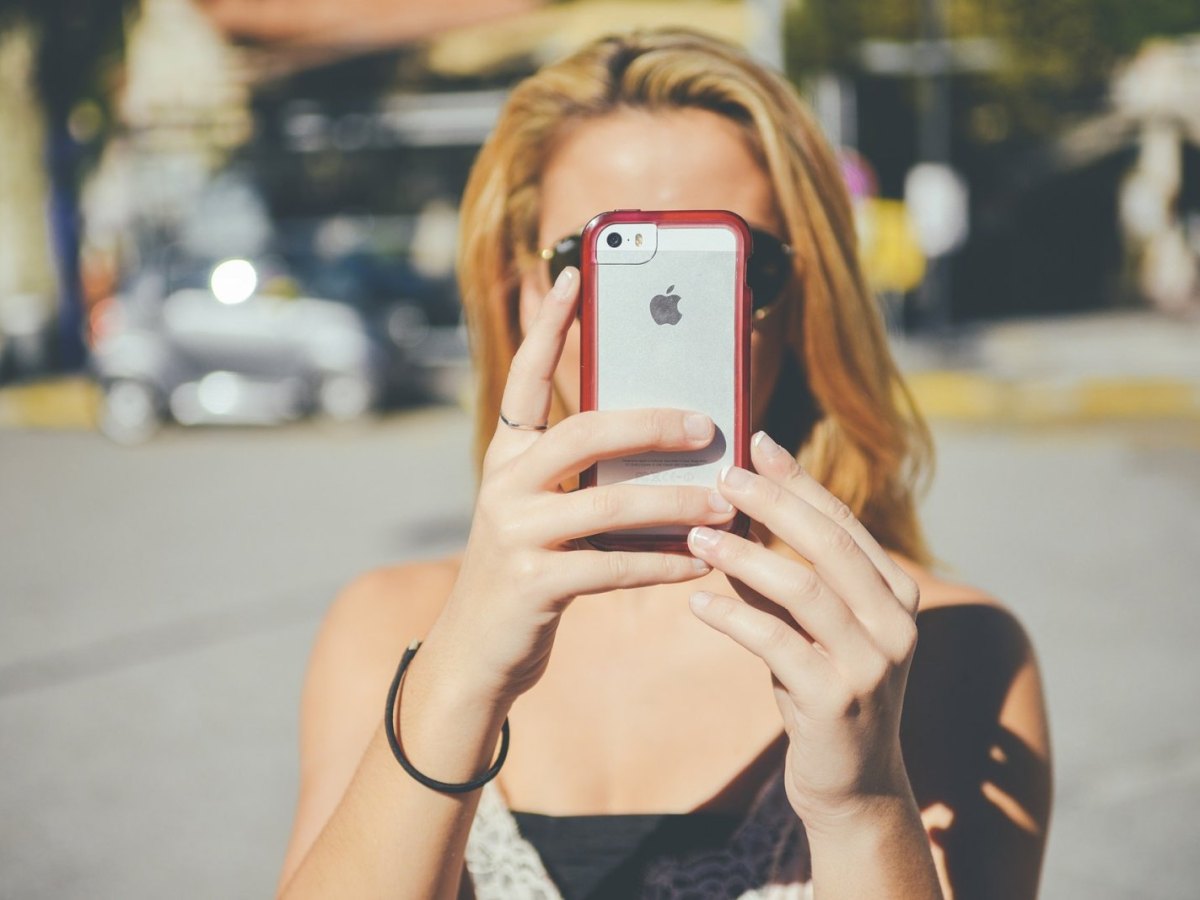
(666, 323)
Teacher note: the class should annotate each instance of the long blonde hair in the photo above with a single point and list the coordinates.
(839, 403)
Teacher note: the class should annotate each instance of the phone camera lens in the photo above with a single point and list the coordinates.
(614, 239)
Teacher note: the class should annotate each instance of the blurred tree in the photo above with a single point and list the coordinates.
(1054, 54)
(78, 51)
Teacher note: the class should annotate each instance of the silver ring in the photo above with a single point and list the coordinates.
(520, 427)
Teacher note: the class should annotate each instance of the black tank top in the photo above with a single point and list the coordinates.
(602, 856)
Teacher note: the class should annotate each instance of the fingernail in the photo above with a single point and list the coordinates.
(704, 538)
(562, 284)
(717, 503)
(697, 426)
(762, 441)
(701, 566)
(735, 477)
(700, 599)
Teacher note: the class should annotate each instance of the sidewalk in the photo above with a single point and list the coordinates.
(1093, 367)
(1089, 367)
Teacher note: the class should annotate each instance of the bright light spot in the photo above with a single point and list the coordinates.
(219, 392)
(233, 281)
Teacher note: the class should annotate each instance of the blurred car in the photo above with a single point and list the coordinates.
(230, 341)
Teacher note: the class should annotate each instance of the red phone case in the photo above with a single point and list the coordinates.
(590, 353)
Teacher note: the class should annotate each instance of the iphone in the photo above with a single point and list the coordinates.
(665, 318)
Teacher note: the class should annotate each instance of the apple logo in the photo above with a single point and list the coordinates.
(665, 308)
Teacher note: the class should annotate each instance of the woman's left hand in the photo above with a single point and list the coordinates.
(838, 637)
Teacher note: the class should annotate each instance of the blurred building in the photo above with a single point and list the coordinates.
(1107, 213)
(1096, 207)
(306, 29)
(27, 281)
(183, 110)
(335, 137)
(326, 146)
(350, 126)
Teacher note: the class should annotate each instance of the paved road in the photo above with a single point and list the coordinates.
(158, 604)
(1093, 537)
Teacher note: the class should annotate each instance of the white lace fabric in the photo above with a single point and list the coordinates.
(766, 858)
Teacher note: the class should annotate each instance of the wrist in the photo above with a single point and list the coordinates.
(868, 817)
(883, 792)
(448, 787)
(495, 661)
(879, 850)
(455, 679)
(876, 827)
(445, 732)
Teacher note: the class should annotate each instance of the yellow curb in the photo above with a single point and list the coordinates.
(958, 395)
(970, 397)
(66, 403)
(72, 403)
(1042, 401)
(1150, 398)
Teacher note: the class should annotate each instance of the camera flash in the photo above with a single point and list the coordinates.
(637, 240)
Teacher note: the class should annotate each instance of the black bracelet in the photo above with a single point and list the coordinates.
(389, 722)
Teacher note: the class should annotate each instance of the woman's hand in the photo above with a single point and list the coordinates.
(838, 637)
(521, 567)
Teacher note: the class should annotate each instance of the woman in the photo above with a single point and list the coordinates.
(796, 777)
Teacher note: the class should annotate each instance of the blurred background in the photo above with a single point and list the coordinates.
(243, 213)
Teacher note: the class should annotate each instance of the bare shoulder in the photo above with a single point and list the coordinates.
(938, 591)
(963, 631)
(354, 657)
(961, 627)
(386, 601)
(976, 740)
(358, 647)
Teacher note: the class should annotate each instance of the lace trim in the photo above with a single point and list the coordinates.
(767, 857)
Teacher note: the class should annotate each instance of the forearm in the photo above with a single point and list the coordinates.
(883, 853)
(391, 836)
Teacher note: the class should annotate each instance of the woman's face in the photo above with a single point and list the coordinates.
(636, 159)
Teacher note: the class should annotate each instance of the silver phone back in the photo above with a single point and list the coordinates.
(649, 356)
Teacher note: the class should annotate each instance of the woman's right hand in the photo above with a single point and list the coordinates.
(522, 565)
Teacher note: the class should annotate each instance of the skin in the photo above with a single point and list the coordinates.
(916, 772)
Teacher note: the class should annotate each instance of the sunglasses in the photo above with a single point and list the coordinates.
(767, 271)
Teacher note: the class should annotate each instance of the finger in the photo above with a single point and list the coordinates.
(618, 506)
(802, 671)
(776, 464)
(580, 440)
(598, 571)
(747, 594)
(530, 386)
(795, 587)
(837, 557)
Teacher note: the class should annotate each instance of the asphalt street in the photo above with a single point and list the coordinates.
(158, 604)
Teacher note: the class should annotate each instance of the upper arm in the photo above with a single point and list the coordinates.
(353, 659)
(976, 744)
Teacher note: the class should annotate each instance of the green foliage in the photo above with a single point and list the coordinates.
(1071, 44)
(825, 34)
(1058, 46)
(1056, 56)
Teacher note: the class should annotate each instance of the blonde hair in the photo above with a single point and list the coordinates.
(839, 402)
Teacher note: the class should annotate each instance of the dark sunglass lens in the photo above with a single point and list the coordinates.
(566, 253)
(768, 269)
(767, 272)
